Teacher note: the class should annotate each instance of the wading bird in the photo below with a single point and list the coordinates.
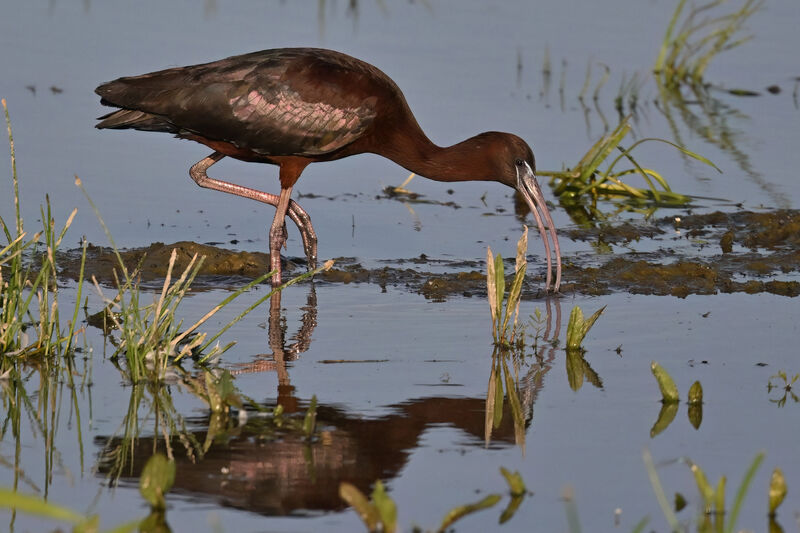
(295, 106)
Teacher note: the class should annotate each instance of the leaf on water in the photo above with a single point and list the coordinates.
(156, 480)
(777, 490)
(669, 391)
(462, 510)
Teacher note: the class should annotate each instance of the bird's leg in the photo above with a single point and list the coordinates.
(298, 215)
(277, 237)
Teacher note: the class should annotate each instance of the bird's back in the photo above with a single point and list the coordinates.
(291, 101)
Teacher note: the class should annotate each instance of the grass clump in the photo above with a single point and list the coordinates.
(705, 31)
(586, 179)
(496, 289)
(30, 317)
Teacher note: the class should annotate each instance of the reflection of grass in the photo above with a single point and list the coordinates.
(379, 511)
(688, 48)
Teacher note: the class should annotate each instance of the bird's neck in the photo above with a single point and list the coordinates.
(461, 162)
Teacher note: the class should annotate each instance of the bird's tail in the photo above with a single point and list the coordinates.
(123, 119)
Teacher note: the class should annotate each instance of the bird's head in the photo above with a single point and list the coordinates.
(513, 164)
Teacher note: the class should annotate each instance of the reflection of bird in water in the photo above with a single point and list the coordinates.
(295, 106)
(281, 351)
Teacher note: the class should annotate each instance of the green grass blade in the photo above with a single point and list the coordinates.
(742, 491)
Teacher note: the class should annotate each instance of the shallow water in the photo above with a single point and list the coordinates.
(410, 409)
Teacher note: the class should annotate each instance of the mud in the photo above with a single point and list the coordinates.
(751, 250)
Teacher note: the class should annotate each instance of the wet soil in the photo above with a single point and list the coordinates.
(696, 254)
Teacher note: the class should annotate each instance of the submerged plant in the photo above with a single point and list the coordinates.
(705, 31)
(496, 288)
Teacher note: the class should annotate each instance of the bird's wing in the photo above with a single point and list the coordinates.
(253, 102)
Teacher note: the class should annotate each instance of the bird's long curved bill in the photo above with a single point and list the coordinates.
(529, 188)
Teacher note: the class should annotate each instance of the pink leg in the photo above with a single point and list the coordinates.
(295, 212)
(277, 234)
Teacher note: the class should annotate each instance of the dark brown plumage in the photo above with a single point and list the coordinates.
(295, 106)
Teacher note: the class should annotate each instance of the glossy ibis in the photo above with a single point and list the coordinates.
(295, 106)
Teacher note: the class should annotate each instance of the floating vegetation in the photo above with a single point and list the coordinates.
(782, 382)
(705, 31)
(496, 288)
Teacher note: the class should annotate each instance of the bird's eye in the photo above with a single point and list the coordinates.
(519, 162)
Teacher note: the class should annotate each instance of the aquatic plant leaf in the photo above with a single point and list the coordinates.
(462, 510)
(356, 499)
(696, 393)
(665, 417)
(385, 506)
(35, 505)
(156, 480)
(515, 483)
(522, 249)
(777, 490)
(512, 305)
(669, 391)
(491, 291)
(578, 327)
(500, 287)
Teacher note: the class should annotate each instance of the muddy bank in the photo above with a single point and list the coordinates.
(741, 252)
